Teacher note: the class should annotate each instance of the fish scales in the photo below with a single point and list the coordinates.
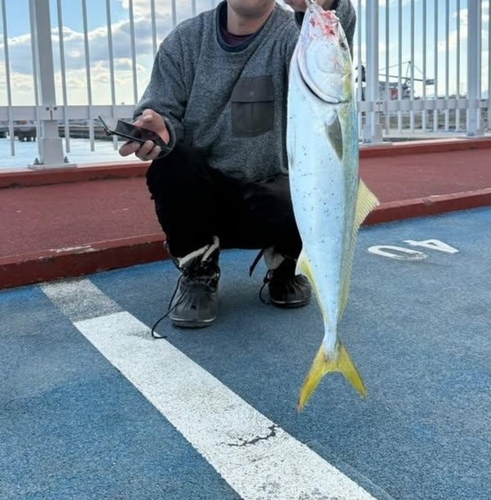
(329, 199)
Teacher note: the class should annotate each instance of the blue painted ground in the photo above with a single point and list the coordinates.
(72, 427)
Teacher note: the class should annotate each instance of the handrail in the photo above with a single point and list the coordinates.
(419, 75)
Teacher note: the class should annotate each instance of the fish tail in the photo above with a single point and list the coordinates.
(324, 363)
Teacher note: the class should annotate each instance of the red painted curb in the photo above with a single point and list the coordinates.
(103, 256)
(423, 147)
(431, 205)
(28, 178)
(34, 268)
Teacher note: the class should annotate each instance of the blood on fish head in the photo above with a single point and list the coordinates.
(324, 56)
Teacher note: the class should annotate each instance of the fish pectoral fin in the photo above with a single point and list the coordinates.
(324, 364)
(335, 135)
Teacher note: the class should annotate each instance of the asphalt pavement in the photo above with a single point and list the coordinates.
(92, 407)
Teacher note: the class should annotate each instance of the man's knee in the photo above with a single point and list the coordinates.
(269, 198)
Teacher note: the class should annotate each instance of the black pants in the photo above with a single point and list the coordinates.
(195, 202)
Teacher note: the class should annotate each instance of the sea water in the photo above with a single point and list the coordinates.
(26, 153)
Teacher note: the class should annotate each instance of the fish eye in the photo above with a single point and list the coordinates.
(343, 45)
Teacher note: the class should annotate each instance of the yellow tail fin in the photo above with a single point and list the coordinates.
(322, 365)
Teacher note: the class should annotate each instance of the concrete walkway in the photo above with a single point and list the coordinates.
(91, 407)
(72, 222)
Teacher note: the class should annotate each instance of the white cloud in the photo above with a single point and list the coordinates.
(20, 56)
(184, 8)
(22, 84)
(74, 44)
(392, 3)
(20, 52)
(453, 40)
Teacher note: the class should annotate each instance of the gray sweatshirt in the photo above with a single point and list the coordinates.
(230, 102)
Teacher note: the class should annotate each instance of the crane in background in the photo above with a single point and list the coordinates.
(390, 89)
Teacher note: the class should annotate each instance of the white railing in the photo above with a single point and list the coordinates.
(427, 66)
(425, 63)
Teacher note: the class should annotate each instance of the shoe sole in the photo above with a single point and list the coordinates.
(290, 305)
(192, 324)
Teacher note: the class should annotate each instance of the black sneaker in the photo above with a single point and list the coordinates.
(287, 289)
(195, 302)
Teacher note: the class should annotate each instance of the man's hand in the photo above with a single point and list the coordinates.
(148, 151)
(301, 6)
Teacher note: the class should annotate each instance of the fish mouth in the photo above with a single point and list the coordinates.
(313, 6)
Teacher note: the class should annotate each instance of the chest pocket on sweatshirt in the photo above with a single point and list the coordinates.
(253, 106)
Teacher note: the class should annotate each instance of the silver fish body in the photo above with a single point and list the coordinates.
(329, 200)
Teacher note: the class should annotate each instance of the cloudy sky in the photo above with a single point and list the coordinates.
(17, 30)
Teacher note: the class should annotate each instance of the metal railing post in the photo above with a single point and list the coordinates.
(372, 132)
(474, 59)
(49, 143)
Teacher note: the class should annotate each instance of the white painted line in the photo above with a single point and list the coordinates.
(256, 457)
(80, 299)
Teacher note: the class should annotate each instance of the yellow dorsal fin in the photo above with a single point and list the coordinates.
(324, 364)
(365, 203)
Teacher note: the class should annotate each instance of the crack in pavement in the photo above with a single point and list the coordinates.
(252, 442)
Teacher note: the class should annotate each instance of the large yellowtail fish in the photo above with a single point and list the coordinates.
(329, 199)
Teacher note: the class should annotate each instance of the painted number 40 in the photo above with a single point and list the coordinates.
(402, 253)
